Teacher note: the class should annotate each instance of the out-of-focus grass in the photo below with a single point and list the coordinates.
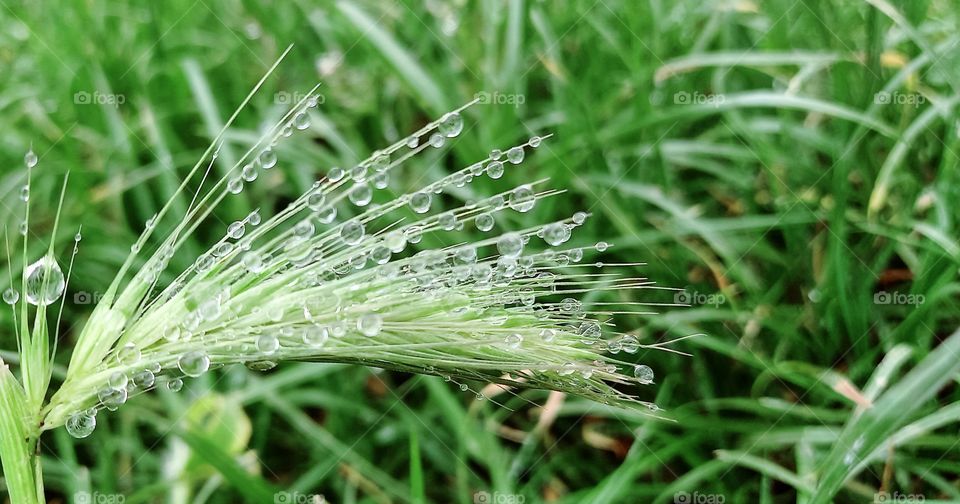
(739, 148)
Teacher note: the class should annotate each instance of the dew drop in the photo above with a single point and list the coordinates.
(268, 344)
(496, 154)
(172, 333)
(522, 199)
(556, 233)
(249, 173)
(579, 218)
(25, 193)
(352, 232)
(81, 425)
(235, 185)
(629, 344)
(515, 155)
(268, 159)
(128, 354)
(175, 384)
(548, 335)
(144, 379)
(30, 159)
(361, 194)
(510, 245)
(326, 215)
(514, 340)
(11, 296)
(260, 365)
(335, 174)
(118, 380)
(437, 140)
(112, 398)
(643, 373)
(193, 363)
(45, 282)
(535, 141)
(484, 222)
(451, 124)
(315, 336)
(236, 230)
(413, 142)
(370, 324)
(301, 121)
(420, 202)
(316, 200)
(495, 169)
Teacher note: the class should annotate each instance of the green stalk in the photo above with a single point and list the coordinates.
(21, 462)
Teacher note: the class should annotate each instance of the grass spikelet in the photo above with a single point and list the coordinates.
(335, 277)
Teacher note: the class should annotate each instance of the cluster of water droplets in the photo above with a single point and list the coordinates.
(335, 276)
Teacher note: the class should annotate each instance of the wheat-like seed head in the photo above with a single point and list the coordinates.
(334, 277)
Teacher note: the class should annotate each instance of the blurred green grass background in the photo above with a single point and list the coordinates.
(791, 164)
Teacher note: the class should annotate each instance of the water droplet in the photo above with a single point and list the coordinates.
(144, 379)
(236, 230)
(172, 333)
(175, 384)
(316, 200)
(567, 369)
(556, 233)
(112, 398)
(420, 202)
(495, 169)
(128, 354)
(510, 245)
(358, 173)
(437, 140)
(496, 154)
(45, 282)
(30, 159)
(370, 324)
(301, 121)
(447, 221)
(260, 365)
(315, 336)
(413, 142)
(643, 373)
(249, 173)
(629, 344)
(522, 199)
(81, 425)
(352, 232)
(361, 194)
(535, 141)
(579, 218)
(253, 218)
(548, 335)
(268, 344)
(11, 296)
(451, 124)
(118, 380)
(602, 246)
(514, 340)
(252, 262)
(25, 193)
(515, 155)
(484, 222)
(235, 185)
(268, 159)
(194, 363)
(335, 174)
(326, 215)
(23, 228)
(77, 237)
(464, 387)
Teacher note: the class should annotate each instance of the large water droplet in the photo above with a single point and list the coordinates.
(352, 232)
(11, 296)
(420, 202)
(369, 324)
(451, 124)
(268, 159)
(556, 233)
(112, 398)
(485, 222)
(515, 155)
(81, 425)
(522, 199)
(194, 363)
(643, 373)
(510, 245)
(45, 282)
(268, 344)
